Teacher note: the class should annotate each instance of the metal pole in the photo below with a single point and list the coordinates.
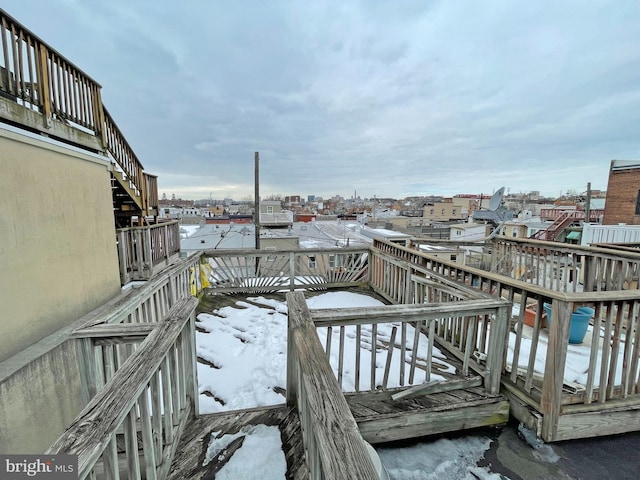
(256, 214)
(587, 208)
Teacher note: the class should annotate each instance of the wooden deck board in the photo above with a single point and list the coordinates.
(194, 442)
(382, 419)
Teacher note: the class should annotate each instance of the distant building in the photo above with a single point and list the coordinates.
(444, 210)
(469, 232)
(272, 215)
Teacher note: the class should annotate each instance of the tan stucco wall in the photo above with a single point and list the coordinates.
(41, 398)
(58, 258)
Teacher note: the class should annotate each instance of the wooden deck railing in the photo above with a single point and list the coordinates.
(280, 270)
(564, 268)
(333, 444)
(470, 329)
(555, 213)
(141, 309)
(146, 402)
(539, 363)
(122, 152)
(38, 77)
(59, 94)
(143, 251)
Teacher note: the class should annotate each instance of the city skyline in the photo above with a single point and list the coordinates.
(392, 99)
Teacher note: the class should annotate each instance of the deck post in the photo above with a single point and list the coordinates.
(88, 369)
(495, 352)
(192, 384)
(554, 367)
(292, 364)
(123, 257)
(148, 254)
(43, 85)
(292, 271)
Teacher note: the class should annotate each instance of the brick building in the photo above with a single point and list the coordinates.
(623, 193)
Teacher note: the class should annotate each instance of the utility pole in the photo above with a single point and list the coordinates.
(256, 214)
(587, 208)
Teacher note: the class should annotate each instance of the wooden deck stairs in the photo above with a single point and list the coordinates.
(43, 92)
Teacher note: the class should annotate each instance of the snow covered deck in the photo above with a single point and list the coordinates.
(268, 437)
(436, 360)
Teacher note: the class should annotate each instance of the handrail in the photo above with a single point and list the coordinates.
(334, 447)
(161, 354)
(121, 151)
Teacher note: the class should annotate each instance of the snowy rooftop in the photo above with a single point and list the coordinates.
(318, 234)
(243, 366)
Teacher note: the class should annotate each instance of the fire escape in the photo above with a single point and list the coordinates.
(559, 224)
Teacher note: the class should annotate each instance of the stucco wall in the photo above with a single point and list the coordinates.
(40, 398)
(58, 258)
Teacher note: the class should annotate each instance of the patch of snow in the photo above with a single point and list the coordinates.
(260, 456)
(444, 459)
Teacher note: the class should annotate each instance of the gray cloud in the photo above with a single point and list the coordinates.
(389, 98)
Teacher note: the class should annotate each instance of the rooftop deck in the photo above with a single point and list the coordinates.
(336, 409)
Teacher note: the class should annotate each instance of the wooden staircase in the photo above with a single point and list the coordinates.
(43, 92)
(129, 201)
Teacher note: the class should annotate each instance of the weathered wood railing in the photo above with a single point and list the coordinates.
(122, 152)
(280, 270)
(143, 251)
(539, 368)
(40, 78)
(153, 393)
(462, 327)
(564, 268)
(333, 445)
(61, 101)
(142, 307)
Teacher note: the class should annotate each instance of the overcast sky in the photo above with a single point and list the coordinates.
(386, 98)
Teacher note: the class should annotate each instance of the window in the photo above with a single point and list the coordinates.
(312, 261)
(452, 258)
(458, 232)
(514, 233)
(332, 261)
(453, 212)
(638, 204)
(431, 211)
(269, 209)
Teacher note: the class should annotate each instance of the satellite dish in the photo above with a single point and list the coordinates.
(496, 213)
(496, 200)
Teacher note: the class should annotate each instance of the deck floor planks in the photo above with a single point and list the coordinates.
(190, 455)
(382, 419)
